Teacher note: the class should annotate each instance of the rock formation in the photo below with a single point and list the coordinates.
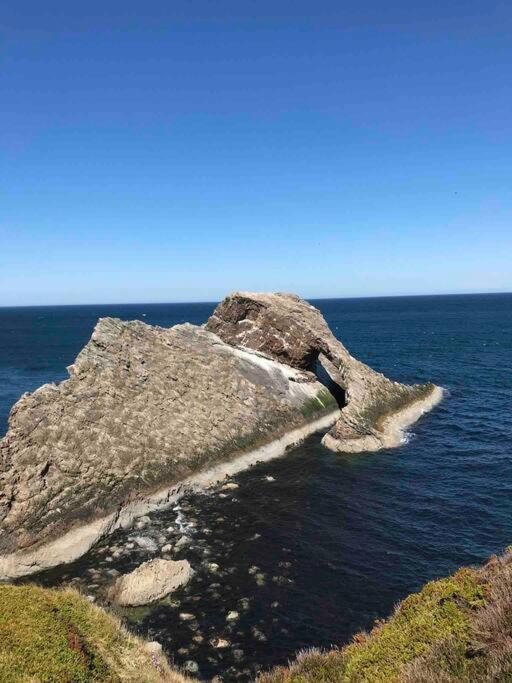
(294, 332)
(148, 411)
(151, 581)
(144, 409)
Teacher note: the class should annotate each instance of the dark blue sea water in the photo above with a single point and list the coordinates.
(333, 541)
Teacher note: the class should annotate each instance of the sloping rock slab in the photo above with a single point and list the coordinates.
(151, 581)
(144, 409)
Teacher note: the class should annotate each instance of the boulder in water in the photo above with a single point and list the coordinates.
(151, 581)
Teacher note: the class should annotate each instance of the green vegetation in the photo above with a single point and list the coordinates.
(455, 629)
(53, 636)
(320, 403)
(440, 611)
(394, 400)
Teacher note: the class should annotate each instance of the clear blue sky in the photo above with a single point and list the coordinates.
(174, 151)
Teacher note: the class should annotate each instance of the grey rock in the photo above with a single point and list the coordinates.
(186, 616)
(182, 542)
(291, 330)
(230, 486)
(151, 581)
(146, 543)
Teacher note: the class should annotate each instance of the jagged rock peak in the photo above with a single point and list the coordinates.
(281, 325)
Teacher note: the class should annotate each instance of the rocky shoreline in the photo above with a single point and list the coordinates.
(148, 413)
(78, 541)
(393, 428)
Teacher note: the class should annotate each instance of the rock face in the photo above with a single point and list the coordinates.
(144, 409)
(151, 581)
(147, 410)
(292, 331)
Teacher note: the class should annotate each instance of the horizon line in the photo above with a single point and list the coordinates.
(216, 301)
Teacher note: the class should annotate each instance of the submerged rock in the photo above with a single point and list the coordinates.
(151, 581)
(146, 543)
(191, 667)
(142, 522)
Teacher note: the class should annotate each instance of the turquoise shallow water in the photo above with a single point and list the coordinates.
(330, 542)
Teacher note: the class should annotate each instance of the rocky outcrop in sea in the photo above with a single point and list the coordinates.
(148, 413)
(150, 581)
(292, 331)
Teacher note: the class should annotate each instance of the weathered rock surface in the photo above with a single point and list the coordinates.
(151, 581)
(294, 332)
(147, 411)
(144, 409)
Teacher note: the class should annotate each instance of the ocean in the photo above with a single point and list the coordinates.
(314, 546)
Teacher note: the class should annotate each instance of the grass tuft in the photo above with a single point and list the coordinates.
(320, 403)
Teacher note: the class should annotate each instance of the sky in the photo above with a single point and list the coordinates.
(176, 151)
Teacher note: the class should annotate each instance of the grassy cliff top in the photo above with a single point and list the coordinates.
(49, 636)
